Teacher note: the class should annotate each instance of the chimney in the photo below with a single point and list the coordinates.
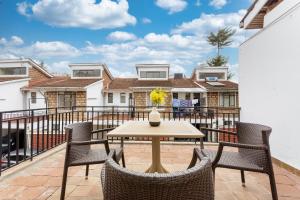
(178, 75)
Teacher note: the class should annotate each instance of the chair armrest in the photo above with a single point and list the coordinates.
(244, 146)
(103, 130)
(91, 142)
(218, 130)
(197, 154)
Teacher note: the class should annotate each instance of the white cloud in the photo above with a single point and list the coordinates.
(146, 20)
(198, 3)
(61, 66)
(218, 4)
(13, 41)
(212, 22)
(176, 40)
(121, 36)
(23, 8)
(16, 41)
(172, 6)
(52, 49)
(38, 50)
(79, 13)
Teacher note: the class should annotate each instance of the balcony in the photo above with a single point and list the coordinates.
(32, 163)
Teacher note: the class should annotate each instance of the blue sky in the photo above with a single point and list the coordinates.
(119, 33)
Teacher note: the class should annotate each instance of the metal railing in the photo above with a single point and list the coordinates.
(27, 133)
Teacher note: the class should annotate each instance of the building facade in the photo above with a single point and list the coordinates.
(91, 84)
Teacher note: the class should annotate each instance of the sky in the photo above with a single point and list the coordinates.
(119, 33)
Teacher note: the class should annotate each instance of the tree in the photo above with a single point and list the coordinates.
(217, 61)
(221, 39)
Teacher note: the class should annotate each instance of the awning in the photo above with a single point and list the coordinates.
(193, 90)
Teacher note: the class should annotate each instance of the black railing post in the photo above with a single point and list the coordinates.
(1, 115)
(31, 135)
(93, 115)
(72, 114)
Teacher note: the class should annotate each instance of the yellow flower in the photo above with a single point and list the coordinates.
(158, 96)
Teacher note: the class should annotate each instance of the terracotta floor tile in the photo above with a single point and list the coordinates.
(43, 179)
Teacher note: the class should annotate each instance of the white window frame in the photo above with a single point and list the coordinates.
(123, 95)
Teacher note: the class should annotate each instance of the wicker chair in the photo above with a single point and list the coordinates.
(79, 152)
(253, 152)
(122, 184)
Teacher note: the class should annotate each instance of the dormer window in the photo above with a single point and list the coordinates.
(150, 74)
(13, 71)
(87, 73)
(152, 71)
(209, 75)
(86, 70)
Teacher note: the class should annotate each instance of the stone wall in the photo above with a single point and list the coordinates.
(51, 99)
(106, 79)
(81, 98)
(36, 75)
(140, 98)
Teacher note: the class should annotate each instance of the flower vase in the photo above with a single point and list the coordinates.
(154, 117)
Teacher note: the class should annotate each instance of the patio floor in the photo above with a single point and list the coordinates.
(42, 178)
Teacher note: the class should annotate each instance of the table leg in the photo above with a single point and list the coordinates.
(156, 165)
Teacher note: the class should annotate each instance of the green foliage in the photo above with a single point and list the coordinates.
(230, 75)
(217, 61)
(221, 39)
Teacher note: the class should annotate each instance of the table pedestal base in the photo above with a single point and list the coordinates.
(156, 165)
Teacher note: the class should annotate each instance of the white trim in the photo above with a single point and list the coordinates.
(93, 84)
(14, 81)
(190, 90)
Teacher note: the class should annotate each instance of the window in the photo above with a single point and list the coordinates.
(122, 98)
(227, 99)
(218, 75)
(33, 97)
(87, 73)
(66, 99)
(110, 98)
(149, 74)
(175, 95)
(13, 71)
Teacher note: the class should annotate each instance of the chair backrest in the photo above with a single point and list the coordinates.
(122, 184)
(81, 131)
(256, 134)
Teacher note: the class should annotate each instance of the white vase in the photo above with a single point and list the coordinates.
(154, 117)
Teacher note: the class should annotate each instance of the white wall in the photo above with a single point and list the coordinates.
(116, 99)
(270, 85)
(40, 101)
(94, 95)
(11, 97)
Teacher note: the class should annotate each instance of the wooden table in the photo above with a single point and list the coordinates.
(178, 129)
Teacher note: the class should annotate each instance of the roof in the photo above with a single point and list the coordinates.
(63, 82)
(4, 79)
(262, 7)
(184, 83)
(127, 83)
(227, 85)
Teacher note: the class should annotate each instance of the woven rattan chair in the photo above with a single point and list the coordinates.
(122, 184)
(253, 152)
(79, 151)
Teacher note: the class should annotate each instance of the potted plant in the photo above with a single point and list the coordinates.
(157, 97)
